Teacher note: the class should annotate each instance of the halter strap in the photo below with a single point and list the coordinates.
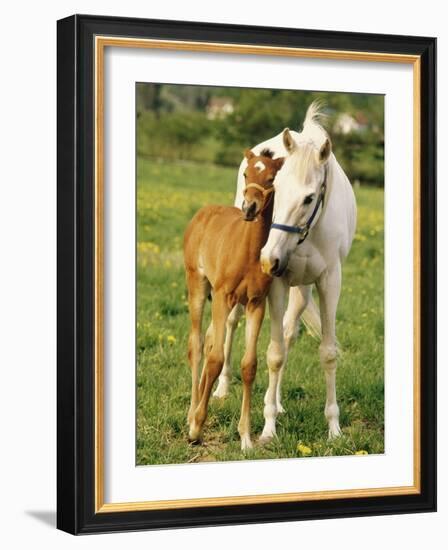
(305, 229)
(262, 190)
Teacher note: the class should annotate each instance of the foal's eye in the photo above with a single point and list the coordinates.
(308, 199)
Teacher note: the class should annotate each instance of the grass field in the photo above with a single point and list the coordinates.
(167, 197)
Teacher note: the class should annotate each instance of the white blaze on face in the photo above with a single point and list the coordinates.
(259, 166)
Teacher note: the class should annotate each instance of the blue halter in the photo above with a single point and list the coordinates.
(305, 229)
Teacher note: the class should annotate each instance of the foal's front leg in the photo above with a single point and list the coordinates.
(254, 319)
(329, 288)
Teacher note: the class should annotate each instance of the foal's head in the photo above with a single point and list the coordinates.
(259, 178)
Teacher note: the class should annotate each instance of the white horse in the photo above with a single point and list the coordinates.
(312, 232)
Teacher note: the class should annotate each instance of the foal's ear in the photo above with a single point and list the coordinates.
(249, 154)
(325, 150)
(279, 162)
(288, 142)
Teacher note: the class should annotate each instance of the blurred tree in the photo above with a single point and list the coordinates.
(173, 123)
(173, 135)
(148, 97)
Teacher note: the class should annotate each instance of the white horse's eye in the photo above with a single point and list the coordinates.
(308, 199)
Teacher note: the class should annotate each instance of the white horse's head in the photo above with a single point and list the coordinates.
(297, 191)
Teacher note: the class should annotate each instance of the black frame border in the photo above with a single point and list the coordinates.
(75, 265)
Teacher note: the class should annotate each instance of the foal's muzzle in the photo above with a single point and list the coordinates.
(250, 210)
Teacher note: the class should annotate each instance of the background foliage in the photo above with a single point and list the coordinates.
(174, 122)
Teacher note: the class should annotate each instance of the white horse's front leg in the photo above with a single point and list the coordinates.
(254, 319)
(222, 389)
(329, 288)
(298, 301)
(275, 356)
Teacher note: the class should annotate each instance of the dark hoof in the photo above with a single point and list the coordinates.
(195, 442)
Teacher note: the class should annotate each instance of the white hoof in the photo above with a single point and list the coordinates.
(280, 409)
(222, 390)
(267, 437)
(334, 431)
(246, 443)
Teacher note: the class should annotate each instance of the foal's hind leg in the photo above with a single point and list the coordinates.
(213, 365)
(298, 300)
(329, 287)
(222, 389)
(249, 369)
(208, 341)
(198, 288)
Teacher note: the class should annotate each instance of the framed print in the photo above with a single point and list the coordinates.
(246, 274)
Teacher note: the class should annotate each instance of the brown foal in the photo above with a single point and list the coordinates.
(222, 247)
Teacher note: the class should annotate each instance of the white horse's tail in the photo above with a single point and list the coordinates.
(311, 319)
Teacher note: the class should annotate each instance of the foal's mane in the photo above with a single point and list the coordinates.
(266, 152)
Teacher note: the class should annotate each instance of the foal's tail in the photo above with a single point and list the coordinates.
(311, 319)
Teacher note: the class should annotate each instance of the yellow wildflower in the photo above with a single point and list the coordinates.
(304, 450)
(361, 452)
(171, 339)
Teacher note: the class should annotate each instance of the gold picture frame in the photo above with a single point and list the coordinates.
(104, 516)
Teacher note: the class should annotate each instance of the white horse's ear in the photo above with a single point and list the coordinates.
(288, 142)
(325, 151)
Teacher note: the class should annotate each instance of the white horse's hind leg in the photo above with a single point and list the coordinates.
(275, 356)
(329, 288)
(298, 300)
(222, 389)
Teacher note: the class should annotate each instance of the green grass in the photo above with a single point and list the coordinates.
(168, 195)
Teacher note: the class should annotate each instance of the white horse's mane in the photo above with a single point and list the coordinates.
(313, 125)
(311, 138)
(302, 160)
